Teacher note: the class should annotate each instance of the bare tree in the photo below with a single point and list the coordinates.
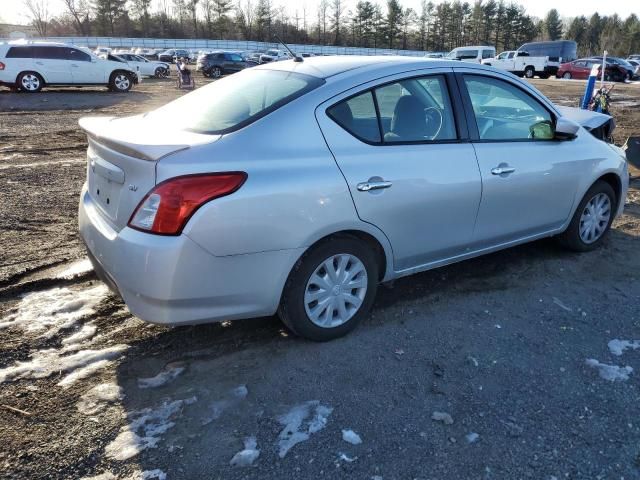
(79, 10)
(39, 13)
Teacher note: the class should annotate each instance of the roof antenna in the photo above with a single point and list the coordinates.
(296, 58)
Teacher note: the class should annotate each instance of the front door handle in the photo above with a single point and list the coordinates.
(368, 186)
(502, 170)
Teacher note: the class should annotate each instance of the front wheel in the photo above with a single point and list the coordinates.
(161, 72)
(566, 75)
(592, 219)
(529, 72)
(120, 82)
(330, 289)
(216, 72)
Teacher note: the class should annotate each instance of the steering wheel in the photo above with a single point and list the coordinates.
(433, 117)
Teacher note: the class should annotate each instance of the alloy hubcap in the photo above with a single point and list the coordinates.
(121, 82)
(30, 82)
(335, 291)
(595, 218)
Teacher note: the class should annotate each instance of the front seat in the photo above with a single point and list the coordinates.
(409, 122)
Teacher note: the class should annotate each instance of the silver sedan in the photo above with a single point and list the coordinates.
(297, 187)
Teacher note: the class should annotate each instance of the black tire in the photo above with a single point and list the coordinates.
(120, 82)
(215, 72)
(292, 310)
(160, 72)
(544, 76)
(529, 72)
(30, 82)
(570, 238)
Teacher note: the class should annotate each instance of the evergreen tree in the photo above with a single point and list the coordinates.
(553, 25)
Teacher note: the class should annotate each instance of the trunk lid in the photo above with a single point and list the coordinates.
(122, 158)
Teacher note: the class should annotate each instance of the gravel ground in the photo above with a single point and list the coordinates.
(508, 352)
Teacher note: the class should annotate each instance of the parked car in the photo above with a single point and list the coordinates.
(171, 55)
(274, 55)
(630, 70)
(520, 63)
(557, 51)
(147, 68)
(30, 66)
(581, 69)
(391, 166)
(634, 57)
(636, 66)
(473, 54)
(217, 64)
(100, 51)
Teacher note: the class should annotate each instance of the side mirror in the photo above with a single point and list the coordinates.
(566, 129)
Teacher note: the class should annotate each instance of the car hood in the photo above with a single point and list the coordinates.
(586, 118)
(141, 138)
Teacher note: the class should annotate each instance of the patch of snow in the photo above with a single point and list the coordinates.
(44, 363)
(145, 430)
(442, 417)
(240, 392)
(102, 476)
(217, 407)
(610, 372)
(99, 397)
(617, 347)
(472, 437)
(345, 458)
(559, 303)
(75, 341)
(168, 374)
(300, 422)
(351, 437)
(50, 311)
(149, 474)
(75, 269)
(246, 457)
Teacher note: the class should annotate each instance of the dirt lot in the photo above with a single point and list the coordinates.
(500, 344)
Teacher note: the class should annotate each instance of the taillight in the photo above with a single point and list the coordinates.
(2, 65)
(167, 208)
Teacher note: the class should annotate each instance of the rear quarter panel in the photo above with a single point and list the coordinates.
(294, 194)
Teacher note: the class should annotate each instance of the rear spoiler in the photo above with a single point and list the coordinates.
(142, 138)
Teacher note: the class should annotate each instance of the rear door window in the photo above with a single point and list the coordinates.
(357, 116)
(416, 110)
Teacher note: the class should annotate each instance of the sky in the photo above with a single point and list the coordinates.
(13, 11)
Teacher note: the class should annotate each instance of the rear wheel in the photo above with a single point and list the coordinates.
(120, 82)
(330, 290)
(566, 75)
(216, 72)
(30, 82)
(592, 219)
(161, 72)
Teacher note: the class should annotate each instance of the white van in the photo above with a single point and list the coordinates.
(30, 66)
(473, 54)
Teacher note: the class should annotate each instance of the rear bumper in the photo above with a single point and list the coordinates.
(173, 281)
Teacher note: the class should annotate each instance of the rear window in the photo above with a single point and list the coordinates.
(20, 52)
(234, 102)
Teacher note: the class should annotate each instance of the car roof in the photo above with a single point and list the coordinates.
(325, 67)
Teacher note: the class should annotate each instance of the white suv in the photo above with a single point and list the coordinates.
(33, 65)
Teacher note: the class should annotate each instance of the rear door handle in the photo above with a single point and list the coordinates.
(368, 186)
(502, 170)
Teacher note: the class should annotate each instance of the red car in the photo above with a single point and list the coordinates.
(581, 68)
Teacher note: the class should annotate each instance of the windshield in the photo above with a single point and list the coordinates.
(234, 101)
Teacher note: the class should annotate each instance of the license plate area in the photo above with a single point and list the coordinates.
(105, 185)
